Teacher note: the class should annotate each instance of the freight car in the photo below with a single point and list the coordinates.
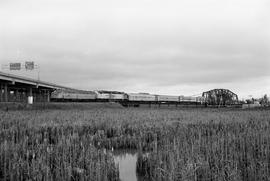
(187, 99)
(200, 99)
(110, 96)
(102, 96)
(71, 95)
(167, 98)
(144, 97)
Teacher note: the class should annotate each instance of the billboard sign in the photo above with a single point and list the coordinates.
(15, 66)
(29, 65)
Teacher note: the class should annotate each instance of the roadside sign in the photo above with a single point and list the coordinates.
(15, 66)
(29, 65)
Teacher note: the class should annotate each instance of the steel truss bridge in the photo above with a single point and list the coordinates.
(220, 97)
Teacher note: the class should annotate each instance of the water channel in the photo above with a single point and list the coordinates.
(126, 160)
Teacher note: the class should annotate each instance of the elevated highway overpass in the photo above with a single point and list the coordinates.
(14, 88)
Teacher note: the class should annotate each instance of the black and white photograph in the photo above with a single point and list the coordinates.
(134, 90)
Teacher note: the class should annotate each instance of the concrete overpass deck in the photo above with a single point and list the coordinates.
(14, 88)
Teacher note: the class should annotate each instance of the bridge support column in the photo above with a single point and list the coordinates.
(16, 95)
(1, 93)
(5, 92)
(30, 96)
(48, 96)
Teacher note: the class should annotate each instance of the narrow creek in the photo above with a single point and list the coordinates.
(126, 160)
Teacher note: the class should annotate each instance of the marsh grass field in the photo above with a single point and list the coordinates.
(181, 144)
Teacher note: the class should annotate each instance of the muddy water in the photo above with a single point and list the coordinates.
(126, 161)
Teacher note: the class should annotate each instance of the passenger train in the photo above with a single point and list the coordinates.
(115, 96)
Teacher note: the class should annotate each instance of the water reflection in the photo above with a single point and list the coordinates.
(126, 161)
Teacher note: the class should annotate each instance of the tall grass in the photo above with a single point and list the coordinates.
(191, 144)
(211, 151)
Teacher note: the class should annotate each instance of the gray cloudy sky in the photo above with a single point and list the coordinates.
(157, 46)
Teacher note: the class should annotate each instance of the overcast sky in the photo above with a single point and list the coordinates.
(181, 47)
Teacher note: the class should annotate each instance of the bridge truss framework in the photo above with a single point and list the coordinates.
(220, 97)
